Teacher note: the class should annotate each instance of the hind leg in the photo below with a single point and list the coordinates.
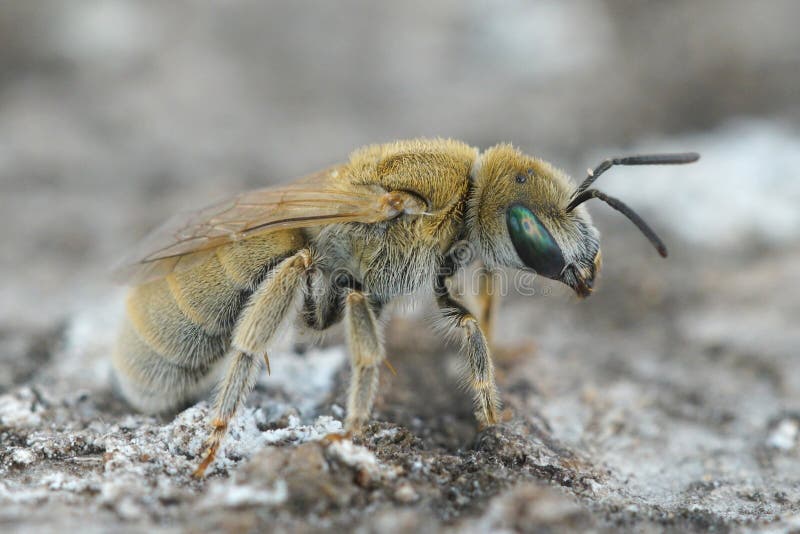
(256, 327)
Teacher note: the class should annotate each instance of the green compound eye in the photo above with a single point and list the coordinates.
(535, 246)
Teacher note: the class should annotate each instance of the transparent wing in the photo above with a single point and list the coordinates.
(188, 239)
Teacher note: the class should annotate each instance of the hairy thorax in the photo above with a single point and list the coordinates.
(386, 260)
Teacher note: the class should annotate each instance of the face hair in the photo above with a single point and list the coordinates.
(583, 193)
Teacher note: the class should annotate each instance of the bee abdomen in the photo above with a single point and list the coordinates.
(150, 382)
(156, 317)
(208, 297)
(178, 327)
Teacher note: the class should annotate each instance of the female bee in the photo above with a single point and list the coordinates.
(337, 246)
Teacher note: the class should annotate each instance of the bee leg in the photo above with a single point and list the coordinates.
(261, 318)
(476, 348)
(488, 297)
(490, 288)
(366, 355)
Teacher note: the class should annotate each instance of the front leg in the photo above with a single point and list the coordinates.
(476, 349)
(366, 354)
(487, 299)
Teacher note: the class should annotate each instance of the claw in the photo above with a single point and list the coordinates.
(211, 454)
(212, 446)
(335, 438)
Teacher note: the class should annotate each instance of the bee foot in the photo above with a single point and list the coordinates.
(210, 455)
(333, 437)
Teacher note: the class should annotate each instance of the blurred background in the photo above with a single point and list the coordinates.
(115, 114)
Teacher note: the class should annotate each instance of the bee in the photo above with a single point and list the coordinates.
(214, 287)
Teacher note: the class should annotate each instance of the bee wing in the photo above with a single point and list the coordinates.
(188, 239)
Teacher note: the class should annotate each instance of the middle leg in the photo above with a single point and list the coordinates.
(366, 354)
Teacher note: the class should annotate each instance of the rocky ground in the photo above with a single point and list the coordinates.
(667, 400)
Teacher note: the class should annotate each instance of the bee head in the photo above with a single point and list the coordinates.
(525, 213)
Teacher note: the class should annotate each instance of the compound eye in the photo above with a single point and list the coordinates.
(534, 244)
